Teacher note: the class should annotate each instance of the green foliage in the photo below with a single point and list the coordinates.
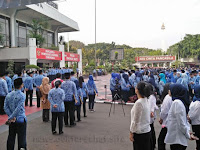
(38, 26)
(177, 64)
(1, 36)
(32, 67)
(10, 68)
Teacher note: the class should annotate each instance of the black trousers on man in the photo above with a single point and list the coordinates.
(84, 106)
(38, 99)
(196, 130)
(55, 116)
(91, 101)
(142, 141)
(161, 139)
(2, 99)
(69, 112)
(29, 93)
(18, 129)
(177, 147)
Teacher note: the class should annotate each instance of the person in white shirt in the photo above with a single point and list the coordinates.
(178, 129)
(140, 130)
(153, 108)
(194, 116)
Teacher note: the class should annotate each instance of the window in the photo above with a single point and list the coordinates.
(4, 21)
(49, 39)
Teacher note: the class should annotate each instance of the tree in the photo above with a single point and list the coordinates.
(38, 26)
(10, 68)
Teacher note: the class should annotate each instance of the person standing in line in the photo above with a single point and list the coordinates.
(9, 82)
(73, 78)
(28, 85)
(37, 83)
(92, 92)
(140, 130)
(165, 107)
(84, 89)
(79, 101)
(69, 88)
(56, 97)
(113, 84)
(191, 85)
(58, 77)
(125, 86)
(3, 92)
(162, 82)
(194, 116)
(44, 89)
(178, 129)
(14, 108)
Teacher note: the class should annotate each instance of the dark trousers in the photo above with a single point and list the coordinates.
(78, 112)
(84, 105)
(161, 139)
(69, 112)
(91, 101)
(153, 136)
(29, 92)
(20, 130)
(196, 130)
(177, 147)
(132, 91)
(125, 96)
(38, 98)
(142, 141)
(55, 116)
(2, 99)
(45, 115)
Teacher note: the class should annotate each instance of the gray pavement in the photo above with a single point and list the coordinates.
(96, 132)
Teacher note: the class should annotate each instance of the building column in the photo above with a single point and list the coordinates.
(152, 65)
(80, 63)
(13, 29)
(32, 52)
(56, 37)
(62, 49)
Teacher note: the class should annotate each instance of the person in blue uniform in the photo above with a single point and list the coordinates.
(3, 92)
(28, 85)
(37, 83)
(92, 92)
(84, 89)
(69, 88)
(9, 82)
(56, 97)
(73, 78)
(14, 108)
(78, 101)
(125, 85)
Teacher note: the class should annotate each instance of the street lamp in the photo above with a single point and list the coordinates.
(95, 32)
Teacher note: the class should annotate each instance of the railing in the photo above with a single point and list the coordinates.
(52, 4)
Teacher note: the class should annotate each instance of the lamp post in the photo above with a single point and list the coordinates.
(95, 32)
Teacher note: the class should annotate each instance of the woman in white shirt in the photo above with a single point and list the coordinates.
(178, 129)
(140, 130)
(194, 114)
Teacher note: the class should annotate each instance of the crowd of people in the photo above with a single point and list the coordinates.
(178, 92)
(63, 95)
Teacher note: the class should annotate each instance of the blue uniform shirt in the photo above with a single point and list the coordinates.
(56, 96)
(84, 89)
(14, 106)
(28, 83)
(79, 97)
(3, 87)
(69, 88)
(38, 81)
(9, 83)
(92, 89)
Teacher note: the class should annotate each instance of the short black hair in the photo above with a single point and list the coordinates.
(19, 73)
(58, 75)
(144, 89)
(2, 74)
(40, 71)
(72, 73)
(67, 75)
(17, 83)
(58, 83)
(175, 71)
(6, 73)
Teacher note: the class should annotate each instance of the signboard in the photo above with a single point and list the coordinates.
(19, 3)
(72, 57)
(48, 54)
(155, 58)
(117, 54)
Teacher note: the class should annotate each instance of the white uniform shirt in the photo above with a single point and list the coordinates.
(194, 113)
(140, 117)
(153, 107)
(165, 107)
(178, 129)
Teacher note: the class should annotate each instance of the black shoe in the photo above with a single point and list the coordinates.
(85, 116)
(54, 132)
(78, 120)
(61, 132)
(73, 125)
(66, 125)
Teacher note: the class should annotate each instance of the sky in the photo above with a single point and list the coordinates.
(133, 22)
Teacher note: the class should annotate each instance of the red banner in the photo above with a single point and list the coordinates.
(155, 58)
(48, 54)
(72, 57)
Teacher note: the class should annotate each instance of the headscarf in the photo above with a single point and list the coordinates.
(196, 93)
(77, 84)
(152, 80)
(113, 75)
(165, 91)
(125, 76)
(45, 87)
(118, 76)
(179, 92)
(179, 74)
(162, 77)
(91, 80)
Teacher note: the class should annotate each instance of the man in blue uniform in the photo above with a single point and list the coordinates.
(14, 108)
(3, 92)
(28, 85)
(37, 83)
(73, 78)
(9, 82)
